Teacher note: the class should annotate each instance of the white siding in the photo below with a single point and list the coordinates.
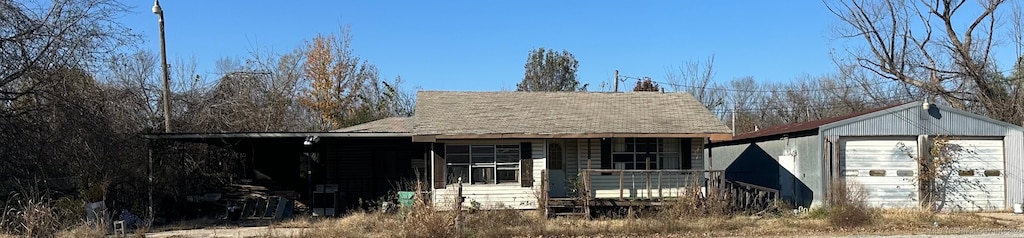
(496, 196)
(488, 197)
(572, 155)
(595, 153)
(697, 153)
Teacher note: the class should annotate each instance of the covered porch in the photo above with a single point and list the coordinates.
(624, 167)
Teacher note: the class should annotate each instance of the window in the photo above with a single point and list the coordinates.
(645, 153)
(482, 164)
(555, 160)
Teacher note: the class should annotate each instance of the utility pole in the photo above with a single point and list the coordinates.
(163, 64)
(734, 119)
(616, 81)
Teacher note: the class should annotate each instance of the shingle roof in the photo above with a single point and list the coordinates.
(386, 125)
(464, 113)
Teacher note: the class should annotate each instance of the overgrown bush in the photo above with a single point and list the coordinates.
(38, 216)
(847, 207)
(693, 202)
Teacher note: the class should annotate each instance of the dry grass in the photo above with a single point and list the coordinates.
(682, 218)
(505, 223)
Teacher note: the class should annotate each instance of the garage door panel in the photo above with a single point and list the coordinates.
(979, 192)
(872, 181)
(888, 155)
(873, 166)
(866, 165)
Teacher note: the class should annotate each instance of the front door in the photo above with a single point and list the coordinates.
(556, 170)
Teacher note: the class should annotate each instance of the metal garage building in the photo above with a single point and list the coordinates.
(876, 151)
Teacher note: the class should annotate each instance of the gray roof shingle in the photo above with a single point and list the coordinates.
(465, 113)
(386, 125)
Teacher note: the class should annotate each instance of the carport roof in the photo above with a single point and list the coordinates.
(234, 135)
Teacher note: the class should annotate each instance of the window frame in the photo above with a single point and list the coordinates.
(496, 158)
(627, 147)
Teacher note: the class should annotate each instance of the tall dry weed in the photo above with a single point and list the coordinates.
(37, 216)
(847, 206)
(694, 202)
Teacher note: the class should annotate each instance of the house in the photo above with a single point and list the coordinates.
(878, 152)
(510, 149)
(500, 143)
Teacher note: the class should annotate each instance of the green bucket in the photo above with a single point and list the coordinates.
(405, 198)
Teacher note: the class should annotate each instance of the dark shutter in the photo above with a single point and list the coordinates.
(439, 166)
(606, 153)
(526, 164)
(686, 153)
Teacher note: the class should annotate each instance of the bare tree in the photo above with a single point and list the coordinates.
(698, 79)
(925, 44)
(36, 36)
(134, 90)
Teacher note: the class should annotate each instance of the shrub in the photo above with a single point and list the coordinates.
(37, 216)
(847, 207)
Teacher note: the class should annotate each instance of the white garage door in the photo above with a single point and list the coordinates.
(979, 183)
(883, 169)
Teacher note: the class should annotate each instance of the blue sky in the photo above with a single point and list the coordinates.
(482, 45)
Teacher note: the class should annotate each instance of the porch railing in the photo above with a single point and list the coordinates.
(646, 184)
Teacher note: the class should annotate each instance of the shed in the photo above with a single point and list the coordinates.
(878, 152)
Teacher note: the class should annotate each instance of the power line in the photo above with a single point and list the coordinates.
(726, 89)
(810, 105)
(857, 86)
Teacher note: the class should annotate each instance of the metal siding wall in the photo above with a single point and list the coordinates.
(722, 156)
(1014, 170)
(809, 162)
(905, 122)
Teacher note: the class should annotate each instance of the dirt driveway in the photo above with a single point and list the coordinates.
(261, 231)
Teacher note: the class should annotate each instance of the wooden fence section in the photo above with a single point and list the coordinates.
(748, 197)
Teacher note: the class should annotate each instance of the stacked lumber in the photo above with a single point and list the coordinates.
(240, 192)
